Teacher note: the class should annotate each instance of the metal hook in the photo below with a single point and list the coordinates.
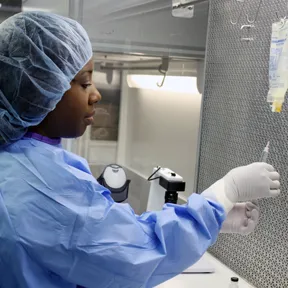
(163, 69)
(240, 14)
(257, 13)
(248, 27)
(163, 80)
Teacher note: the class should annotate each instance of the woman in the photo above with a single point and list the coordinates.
(59, 227)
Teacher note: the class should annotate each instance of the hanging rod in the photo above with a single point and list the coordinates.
(184, 5)
(123, 68)
(163, 66)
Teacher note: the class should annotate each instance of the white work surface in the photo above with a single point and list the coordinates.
(219, 279)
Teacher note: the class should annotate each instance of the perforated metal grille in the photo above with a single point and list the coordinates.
(237, 123)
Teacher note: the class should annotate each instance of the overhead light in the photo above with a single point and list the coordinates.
(27, 9)
(172, 83)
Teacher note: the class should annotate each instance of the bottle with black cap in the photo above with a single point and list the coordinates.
(234, 282)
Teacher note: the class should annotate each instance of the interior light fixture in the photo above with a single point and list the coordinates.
(28, 9)
(182, 84)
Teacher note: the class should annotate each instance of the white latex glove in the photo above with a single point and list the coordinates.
(255, 181)
(242, 219)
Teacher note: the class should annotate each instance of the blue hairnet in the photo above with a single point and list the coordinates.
(40, 53)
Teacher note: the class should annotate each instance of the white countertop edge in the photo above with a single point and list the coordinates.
(219, 279)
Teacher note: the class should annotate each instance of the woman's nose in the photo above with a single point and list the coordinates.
(94, 97)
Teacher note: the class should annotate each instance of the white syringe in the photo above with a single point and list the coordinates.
(265, 153)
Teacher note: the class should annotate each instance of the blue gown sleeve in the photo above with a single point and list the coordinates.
(71, 226)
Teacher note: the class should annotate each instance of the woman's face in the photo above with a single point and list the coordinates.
(75, 111)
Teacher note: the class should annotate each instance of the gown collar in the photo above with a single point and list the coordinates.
(54, 141)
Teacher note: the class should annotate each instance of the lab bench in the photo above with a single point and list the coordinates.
(219, 279)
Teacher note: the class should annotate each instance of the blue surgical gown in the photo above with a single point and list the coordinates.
(60, 228)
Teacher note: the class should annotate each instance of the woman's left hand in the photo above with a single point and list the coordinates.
(242, 219)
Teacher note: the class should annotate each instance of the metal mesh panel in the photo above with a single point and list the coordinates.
(237, 123)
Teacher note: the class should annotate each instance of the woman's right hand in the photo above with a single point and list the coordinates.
(255, 181)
